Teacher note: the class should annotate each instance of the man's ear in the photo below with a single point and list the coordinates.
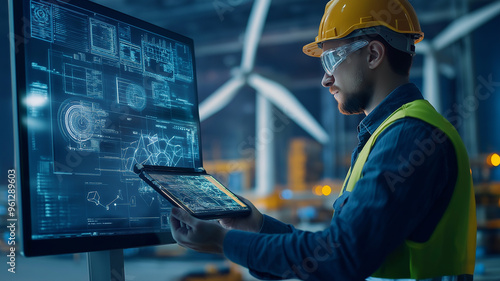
(377, 52)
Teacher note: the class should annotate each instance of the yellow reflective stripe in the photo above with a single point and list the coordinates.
(363, 155)
(345, 181)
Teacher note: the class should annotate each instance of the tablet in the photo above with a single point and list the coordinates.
(199, 194)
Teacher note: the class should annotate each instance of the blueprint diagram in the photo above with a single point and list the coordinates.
(110, 95)
(198, 192)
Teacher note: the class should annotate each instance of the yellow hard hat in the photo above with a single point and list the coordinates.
(343, 18)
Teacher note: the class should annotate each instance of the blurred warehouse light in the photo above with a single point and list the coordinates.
(307, 213)
(326, 190)
(317, 190)
(493, 160)
(322, 190)
(286, 194)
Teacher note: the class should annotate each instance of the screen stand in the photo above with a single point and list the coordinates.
(106, 265)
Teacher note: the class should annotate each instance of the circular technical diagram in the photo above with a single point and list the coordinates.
(41, 15)
(136, 97)
(79, 122)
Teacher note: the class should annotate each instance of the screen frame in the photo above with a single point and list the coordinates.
(19, 37)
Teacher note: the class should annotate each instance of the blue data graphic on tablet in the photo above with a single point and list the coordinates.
(199, 193)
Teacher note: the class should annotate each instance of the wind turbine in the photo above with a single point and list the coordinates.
(268, 92)
(456, 30)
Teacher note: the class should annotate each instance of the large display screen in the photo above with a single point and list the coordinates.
(97, 92)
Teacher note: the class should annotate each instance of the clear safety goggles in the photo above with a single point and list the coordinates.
(331, 59)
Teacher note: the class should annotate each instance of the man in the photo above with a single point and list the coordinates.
(407, 209)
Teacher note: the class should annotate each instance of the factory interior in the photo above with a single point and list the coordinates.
(272, 133)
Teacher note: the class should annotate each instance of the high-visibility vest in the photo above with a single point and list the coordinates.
(451, 248)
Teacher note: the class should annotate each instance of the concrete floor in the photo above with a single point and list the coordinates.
(74, 268)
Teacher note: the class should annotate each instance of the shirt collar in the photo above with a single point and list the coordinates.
(403, 94)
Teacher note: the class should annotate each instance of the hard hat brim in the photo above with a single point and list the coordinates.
(312, 50)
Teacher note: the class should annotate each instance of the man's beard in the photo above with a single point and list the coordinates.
(354, 103)
(358, 99)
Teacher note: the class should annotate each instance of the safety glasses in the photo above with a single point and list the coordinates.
(331, 59)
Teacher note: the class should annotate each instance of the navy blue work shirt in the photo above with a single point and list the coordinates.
(406, 185)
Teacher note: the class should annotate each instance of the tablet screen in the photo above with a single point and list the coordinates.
(199, 193)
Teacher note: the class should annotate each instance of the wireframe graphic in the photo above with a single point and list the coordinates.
(131, 94)
(41, 21)
(130, 55)
(155, 150)
(147, 194)
(80, 122)
(124, 32)
(78, 74)
(82, 81)
(103, 38)
(183, 63)
(158, 59)
(75, 79)
(161, 94)
(95, 198)
(136, 97)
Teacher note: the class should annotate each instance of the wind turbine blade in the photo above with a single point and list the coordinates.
(466, 24)
(284, 100)
(253, 33)
(221, 97)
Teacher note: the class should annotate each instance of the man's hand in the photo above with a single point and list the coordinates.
(208, 236)
(196, 234)
(251, 223)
